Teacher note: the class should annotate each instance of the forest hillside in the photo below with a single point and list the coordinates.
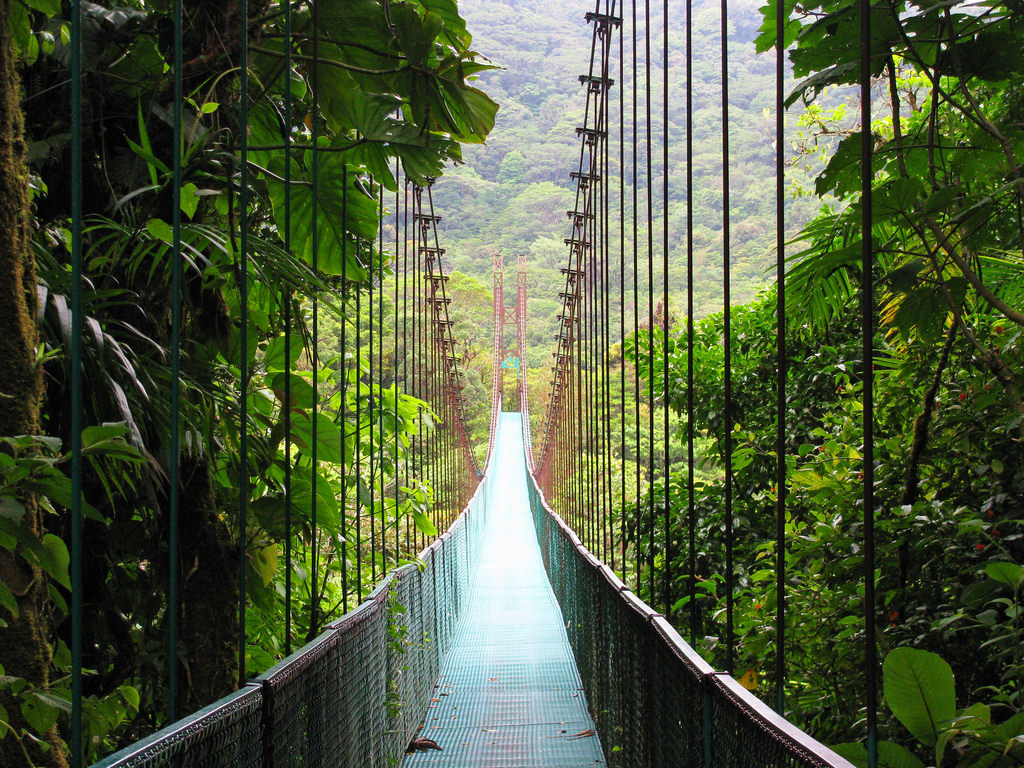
(512, 193)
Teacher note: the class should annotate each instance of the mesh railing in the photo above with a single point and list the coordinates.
(351, 698)
(656, 702)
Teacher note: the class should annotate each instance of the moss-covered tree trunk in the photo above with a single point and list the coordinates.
(24, 646)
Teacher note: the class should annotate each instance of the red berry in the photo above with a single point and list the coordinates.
(979, 547)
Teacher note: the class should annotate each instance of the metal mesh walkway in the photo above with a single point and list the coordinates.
(509, 694)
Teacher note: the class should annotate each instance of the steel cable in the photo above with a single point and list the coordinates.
(314, 126)
(243, 259)
(174, 448)
(867, 376)
(75, 375)
(287, 410)
(690, 498)
(667, 576)
(780, 363)
(727, 423)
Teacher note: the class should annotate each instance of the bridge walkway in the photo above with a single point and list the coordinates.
(509, 694)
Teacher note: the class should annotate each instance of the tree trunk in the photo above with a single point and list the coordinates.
(209, 569)
(24, 648)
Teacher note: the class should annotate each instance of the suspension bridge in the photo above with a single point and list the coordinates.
(520, 649)
(452, 579)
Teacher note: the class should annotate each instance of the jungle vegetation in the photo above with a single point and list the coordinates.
(948, 142)
(947, 138)
(381, 91)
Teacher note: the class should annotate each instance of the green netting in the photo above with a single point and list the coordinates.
(353, 697)
(657, 703)
(227, 733)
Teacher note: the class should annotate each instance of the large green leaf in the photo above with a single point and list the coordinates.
(346, 214)
(1010, 574)
(381, 137)
(327, 508)
(890, 755)
(328, 436)
(454, 29)
(275, 358)
(264, 560)
(766, 38)
(300, 390)
(919, 690)
(416, 33)
(423, 154)
(350, 21)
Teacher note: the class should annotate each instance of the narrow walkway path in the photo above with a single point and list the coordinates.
(509, 695)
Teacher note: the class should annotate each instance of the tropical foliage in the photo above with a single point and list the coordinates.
(947, 237)
(284, 168)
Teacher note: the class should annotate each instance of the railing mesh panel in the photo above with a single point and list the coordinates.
(225, 734)
(353, 697)
(655, 701)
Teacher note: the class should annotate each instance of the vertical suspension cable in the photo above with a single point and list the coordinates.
(650, 300)
(406, 386)
(288, 120)
(370, 459)
(727, 343)
(314, 582)
(690, 499)
(344, 393)
(636, 300)
(591, 350)
(414, 358)
(395, 363)
(580, 426)
(606, 399)
(243, 259)
(780, 363)
(867, 374)
(434, 445)
(378, 396)
(423, 366)
(667, 576)
(429, 361)
(357, 451)
(174, 449)
(622, 301)
(75, 375)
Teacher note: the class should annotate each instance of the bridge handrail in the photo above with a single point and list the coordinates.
(350, 698)
(654, 699)
(196, 739)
